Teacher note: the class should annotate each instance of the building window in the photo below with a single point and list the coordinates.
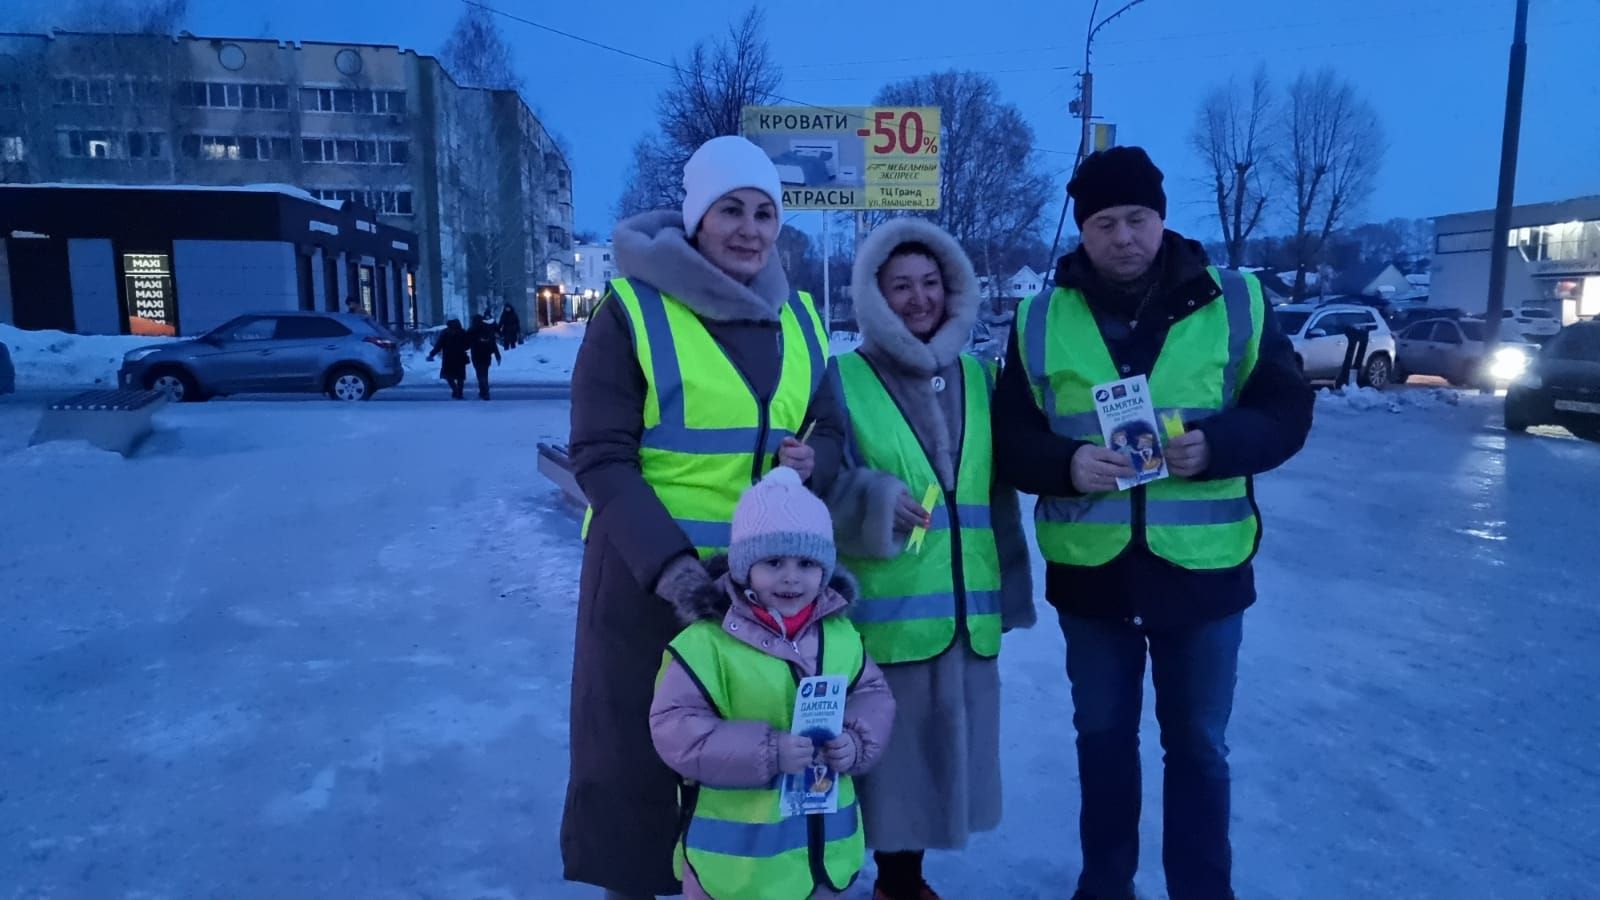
(356, 150)
(1562, 242)
(147, 92)
(84, 91)
(605, 257)
(391, 203)
(102, 92)
(1464, 242)
(556, 236)
(146, 145)
(12, 149)
(349, 100)
(209, 146)
(92, 145)
(10, 96)
(229, 95)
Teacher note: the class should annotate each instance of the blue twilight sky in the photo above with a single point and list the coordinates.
(1434, 69)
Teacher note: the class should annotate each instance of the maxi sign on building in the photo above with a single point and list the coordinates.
(152, 306)
(853, 157)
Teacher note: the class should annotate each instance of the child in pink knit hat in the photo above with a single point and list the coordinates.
(724, 703)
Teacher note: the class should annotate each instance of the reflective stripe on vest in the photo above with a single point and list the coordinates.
(914, 606)
(736, 841)
(1205, 361)
(706, 435)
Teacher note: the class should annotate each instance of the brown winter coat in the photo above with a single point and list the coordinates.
(620, 797)
(705, 748)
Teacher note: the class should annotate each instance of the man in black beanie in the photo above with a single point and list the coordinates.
(1162, 570)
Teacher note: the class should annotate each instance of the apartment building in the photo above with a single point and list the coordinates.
(471, 172)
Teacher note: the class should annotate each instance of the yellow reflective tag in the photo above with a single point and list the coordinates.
(1172, 424)
(919, 533)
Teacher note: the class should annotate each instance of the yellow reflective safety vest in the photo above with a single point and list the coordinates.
(915, 606)
(1207, 358)
(736, 841)
(707, 434)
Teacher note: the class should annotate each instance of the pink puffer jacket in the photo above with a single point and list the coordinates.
(703, 747)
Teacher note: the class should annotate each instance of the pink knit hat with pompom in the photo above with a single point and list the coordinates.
(778, 516)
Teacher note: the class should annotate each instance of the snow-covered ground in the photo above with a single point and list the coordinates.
(303, 649)
(544, 357)
(47, 360)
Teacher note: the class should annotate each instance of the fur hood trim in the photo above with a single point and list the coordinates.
(882, 330)
(653, 248)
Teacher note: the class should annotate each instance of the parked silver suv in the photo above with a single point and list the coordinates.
(345, 355)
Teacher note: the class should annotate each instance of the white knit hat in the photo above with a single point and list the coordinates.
(721, 166)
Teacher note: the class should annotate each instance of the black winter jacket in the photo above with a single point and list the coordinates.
(1267, 427)
(452, 344)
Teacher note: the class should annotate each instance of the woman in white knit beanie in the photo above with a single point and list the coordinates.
(700, 371)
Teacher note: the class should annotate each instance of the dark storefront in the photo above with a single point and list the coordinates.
(166, 261)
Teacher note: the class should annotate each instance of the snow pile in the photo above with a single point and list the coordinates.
(544, 357)
(51, 359)
(1359, 399)
(843, 341)
(1396, 400)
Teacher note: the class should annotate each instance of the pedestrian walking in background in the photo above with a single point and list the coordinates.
(485, 349)
(510, 328)
(452, 343)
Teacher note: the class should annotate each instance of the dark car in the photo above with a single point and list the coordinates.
(345, 355)
(1562, 386)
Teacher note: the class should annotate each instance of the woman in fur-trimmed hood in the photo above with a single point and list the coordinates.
(906, 388)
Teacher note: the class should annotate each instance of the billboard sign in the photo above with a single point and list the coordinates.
(854, 157)
(152, 304)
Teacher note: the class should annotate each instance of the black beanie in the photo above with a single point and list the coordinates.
(1120, 176)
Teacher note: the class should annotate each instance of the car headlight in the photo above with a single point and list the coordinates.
(133, 356)
(1509, 363)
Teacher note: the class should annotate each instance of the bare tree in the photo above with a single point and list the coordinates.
(485, 143)
(801, 260)
(477, 55)
(126, 16)
(654, 179)
(706, 99)
(137, 66)
(1231, 135)
(1331, 149)
(992, 188)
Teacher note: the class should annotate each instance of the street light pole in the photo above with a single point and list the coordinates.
(1508, 185)
(1085, 105)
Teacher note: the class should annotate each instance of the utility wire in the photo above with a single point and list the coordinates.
(680, 70)
(1365, 42)
(1453, 9)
